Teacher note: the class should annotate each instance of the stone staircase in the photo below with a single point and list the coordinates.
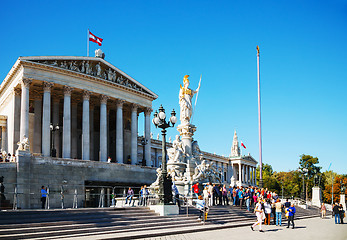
(119, 223)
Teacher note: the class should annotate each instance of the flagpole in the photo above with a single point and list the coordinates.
(259, 122)
(88, 43)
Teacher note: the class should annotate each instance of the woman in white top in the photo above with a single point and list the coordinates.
(258, 212)
(205, 193)
(267, 206)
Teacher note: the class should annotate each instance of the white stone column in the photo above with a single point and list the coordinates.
(246, 172)
(67, 122)
(103, 128)
(46, 119)
(148, 155)
(14, 132)
(240, 174)
(24, 115)
(91, 131)
(74, 133)
(55, 121)
(119, 132)
(37, 144)
(255, 176)
(134, 134)
(85, 127)
(4, 138)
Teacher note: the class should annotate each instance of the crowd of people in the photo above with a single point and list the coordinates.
(266, 204)
(7, 157)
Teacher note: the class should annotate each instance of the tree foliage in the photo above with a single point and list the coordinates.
(308, 171)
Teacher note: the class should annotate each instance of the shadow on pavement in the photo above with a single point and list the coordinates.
(273, 230)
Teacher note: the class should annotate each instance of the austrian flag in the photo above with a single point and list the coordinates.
(95, 39)
(243, 145)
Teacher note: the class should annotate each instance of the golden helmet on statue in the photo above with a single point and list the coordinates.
(185, 79)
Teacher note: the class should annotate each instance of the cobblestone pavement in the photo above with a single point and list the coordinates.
(306, 229)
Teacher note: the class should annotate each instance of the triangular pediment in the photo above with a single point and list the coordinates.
(94, 67)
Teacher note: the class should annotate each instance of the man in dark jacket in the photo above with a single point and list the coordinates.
(336, 212)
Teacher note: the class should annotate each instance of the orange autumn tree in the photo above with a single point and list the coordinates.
(338, 180)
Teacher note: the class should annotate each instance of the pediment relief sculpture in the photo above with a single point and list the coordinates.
(95, 69)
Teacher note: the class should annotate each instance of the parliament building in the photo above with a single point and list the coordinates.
(79, 118)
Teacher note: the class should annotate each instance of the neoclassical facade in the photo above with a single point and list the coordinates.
(95, 105)
(77, 113)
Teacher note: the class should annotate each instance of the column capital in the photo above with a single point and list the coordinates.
(67, 90)
(86, 95)
(47, 86)
(134, 107)
(103, 99)
(26, 82)
(120, 102)
(17, 91)
(148, 111)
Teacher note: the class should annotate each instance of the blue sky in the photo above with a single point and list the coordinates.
(303, 64)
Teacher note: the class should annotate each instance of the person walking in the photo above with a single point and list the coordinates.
(259, 211)
(225, 195)
(205, 194)
(200, 205)
(247, 197)
(210, 194)
(141, 196)
(176, 195)
(234, 196)
(220, 197)
(43, 197)
(196, 189)
(267, 210)
(323, 210)
(278, 206)
(336, 213)
(240, 198)
(145, 195)
(291, 211)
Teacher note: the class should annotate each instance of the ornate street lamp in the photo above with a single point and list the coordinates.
(144, 142)
(165, 182)
(303, 172)
(53, 128)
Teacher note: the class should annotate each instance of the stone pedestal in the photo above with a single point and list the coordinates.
(165, 210)
(316, 196)
(343, 201)
(23, 178)
(186, 131)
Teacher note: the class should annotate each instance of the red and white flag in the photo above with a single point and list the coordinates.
(243, 145)
(95, 39)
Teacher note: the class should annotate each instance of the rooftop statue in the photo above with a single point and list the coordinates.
(185, 100)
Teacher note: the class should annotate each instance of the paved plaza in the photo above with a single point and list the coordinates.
(306, 229)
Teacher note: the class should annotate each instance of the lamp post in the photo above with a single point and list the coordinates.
(53, 128)
(143, 143)
(165, 182)
(303, 172)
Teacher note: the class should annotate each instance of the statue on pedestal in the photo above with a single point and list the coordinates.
(24, 144)
(185, 100)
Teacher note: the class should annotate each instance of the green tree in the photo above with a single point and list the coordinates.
(309, 170)
(291, 183)
(269, 179)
